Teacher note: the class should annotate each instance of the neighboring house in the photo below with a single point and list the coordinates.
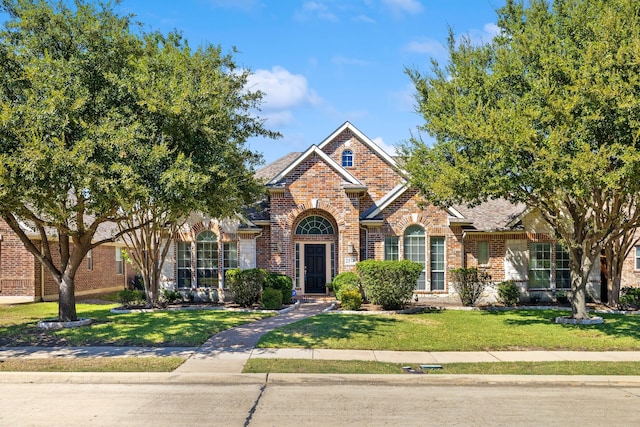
(23, 278)
(346, 200)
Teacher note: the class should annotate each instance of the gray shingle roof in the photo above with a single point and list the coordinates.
(270, 171)
(492, 215)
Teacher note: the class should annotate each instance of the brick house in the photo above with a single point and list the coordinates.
(24, 279)
(346, 200)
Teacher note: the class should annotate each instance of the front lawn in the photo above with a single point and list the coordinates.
(175, 328)
(455, 330)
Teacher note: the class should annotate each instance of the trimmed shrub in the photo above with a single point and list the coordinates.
(351, 299)
(508, 293)
(246, 285)
(281, 282)
(271, 299)
(629, 298)
(469, 283)
(347, 281)
(171, 297)
(389, 283)
(133, 297)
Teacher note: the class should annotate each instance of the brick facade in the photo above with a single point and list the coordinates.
(22, 275)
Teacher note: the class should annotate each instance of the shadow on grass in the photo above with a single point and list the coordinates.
(162, 328)
(313, 332)
(615, 325)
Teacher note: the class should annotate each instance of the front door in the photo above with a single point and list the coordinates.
(315, 269)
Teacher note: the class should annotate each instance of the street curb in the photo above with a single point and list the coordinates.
(317, 379)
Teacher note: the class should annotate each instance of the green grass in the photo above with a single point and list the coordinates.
(454, 330)
(304, 366)
(91, 364)
(18, 326)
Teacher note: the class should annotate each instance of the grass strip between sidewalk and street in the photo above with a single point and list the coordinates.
(304, 366)
(92, 364)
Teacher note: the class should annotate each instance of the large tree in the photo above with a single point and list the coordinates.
(98, 118)
(547, 113)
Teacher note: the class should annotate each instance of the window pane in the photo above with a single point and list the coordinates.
(637, 257)
(391, 248)
(184, 264)
(563, 268)
(207, 259)
(540, 265)
(347, 158)
(437, 263)
(414, 250)
(483, 253)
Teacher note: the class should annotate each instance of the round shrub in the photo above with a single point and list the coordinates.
(351, 299)
(271, 299)
(281, 282)
(344, 282)
(389, 283)
(508, 293)
(246, 285)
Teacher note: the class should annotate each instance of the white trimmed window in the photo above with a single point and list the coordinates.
(119, 262)
(184, 264)
(563, 268)
(391, 248)
(637, 257)
(347, 158)
(229, 259)
(90, 259)
(437, 263)
(540, 265)
(483, 253)
(207, 260)
(414, 250)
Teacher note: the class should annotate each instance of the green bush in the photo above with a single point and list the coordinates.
(508, 293)
(389, 283)
(351, 299)
(281, 282)
(246, 285)
(469, 283)
(271, 299)
(347, 281)
(629, 298)
(172, 297)
(562, 297)
(133, 297)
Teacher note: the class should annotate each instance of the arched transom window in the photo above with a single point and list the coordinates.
(347, 158)
(314, 224)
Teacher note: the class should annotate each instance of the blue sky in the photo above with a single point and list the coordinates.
(323, 62)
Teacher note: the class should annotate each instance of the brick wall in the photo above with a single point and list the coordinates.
(17, 266)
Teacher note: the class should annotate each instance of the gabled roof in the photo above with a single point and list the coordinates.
(314, 149)
(365, 139)
(378, 207)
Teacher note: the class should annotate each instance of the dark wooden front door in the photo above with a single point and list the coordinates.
(315, 269)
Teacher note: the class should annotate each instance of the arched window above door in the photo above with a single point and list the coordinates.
(314, 224)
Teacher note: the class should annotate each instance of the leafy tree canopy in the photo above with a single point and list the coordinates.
(547, 113)
(97, 115)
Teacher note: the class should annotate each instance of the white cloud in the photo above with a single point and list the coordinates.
(315, 9)
(389, 149)
(364, 18)
(488, 32)
(427, 46)
(283, 91)
(404, 6)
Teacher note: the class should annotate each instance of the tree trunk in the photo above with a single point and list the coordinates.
(67, 299)
(581, 266)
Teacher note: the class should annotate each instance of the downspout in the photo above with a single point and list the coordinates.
(41, 273)
(464, 257)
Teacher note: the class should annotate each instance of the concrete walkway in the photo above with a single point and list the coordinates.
(228, 351)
